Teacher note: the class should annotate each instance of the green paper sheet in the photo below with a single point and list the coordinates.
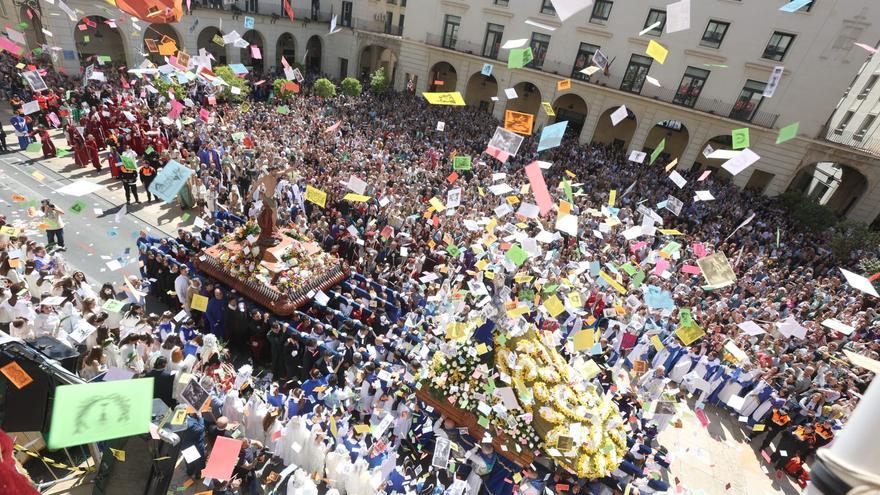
(740, 138)
(517, 255)
(461, 163)
(658, 150)
(519, 57)
(92, 412)
(78, 207)
(787, 132)
(34, 147)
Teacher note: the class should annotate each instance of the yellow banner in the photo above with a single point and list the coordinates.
(356, 197)
(689, 335)
(316, 196)
(612, 282)
(445, 98)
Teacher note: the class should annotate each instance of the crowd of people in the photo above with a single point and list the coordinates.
(331, 390)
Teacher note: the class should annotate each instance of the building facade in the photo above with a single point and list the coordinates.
(711, 82)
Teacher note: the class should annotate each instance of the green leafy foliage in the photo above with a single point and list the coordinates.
(325, 88)
(231, 80)
(351, 87)
(162, 85)
(854, 240)
(280, 92)
(806, 213)
(379, 81)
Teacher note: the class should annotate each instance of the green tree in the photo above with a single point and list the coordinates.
(807, 214)
(850, 238)
(379, 81)
(232, 81)
(351, 87)
(163, 85)
(325, 88)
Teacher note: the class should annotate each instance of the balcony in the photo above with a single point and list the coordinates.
(376, 26)
(272, 10)
(704, 105)
(857, 140)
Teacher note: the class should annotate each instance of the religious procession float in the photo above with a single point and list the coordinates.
(523, 395)
(281, 277)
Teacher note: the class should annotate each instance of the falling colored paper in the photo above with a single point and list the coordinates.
(316, 196)
(567, 8)
(659, 149)
(223, 458)
(539, 187)
(618, 115)
(551, 135)
(199, 302)
(519, 57)
(93, 412)
(787, 133)
(678, 16)
(740, 138)
(657, 51)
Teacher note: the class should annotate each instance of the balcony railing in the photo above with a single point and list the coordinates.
(267, 9)
(706, 105)
(376, 26)
(855, 140)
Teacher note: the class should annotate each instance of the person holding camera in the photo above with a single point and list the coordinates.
(55, 224)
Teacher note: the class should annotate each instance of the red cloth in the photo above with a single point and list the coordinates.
(11, 481)
(48, 145)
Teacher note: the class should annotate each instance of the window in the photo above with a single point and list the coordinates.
(343, 68)
(714, 34)
(450, 31)
(403, 3)
(502, 3)
(346, 14)
(547, 7)
(805, 8)
(400, 25)
(778, 46)
(389, 20)
(250, 6)
(841, 126)
(866, 124)
(872, 80)
(749, 100)
(635, 74)
(540, 43)
(690, 87)
(583, 60)
(656, 15)
(601, 11)
(492, 43)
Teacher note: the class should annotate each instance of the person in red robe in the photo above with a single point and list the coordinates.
(80, 153)
(48, 147)
(70, 131)
(92, 149)
(114, 160)
(93, 127)
(137, 141)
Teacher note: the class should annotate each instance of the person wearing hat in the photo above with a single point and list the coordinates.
(129, 176)
(163, 381)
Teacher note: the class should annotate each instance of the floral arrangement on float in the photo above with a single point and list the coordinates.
(560, 415)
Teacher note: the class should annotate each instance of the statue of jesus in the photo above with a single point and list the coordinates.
(266, 219)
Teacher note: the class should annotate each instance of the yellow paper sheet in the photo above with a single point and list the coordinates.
(657, 51)
(445, 98)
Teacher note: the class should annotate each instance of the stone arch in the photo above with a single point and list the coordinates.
(314, 50)
(480, 90)
(206, 40)
(676, 135)
(100, 40)
(712, 156)
(528, 99)
(442, 77)
(285, 47)
(34, 32)
(253, 37)
(375, 56)
(573, 108)
(159, 34)
(836, 185)
(619, 135)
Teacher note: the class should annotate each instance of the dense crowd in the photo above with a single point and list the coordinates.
(285, 384)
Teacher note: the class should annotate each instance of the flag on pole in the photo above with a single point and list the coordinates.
(288, 10)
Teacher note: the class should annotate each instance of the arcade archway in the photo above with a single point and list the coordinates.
(676, 135)
(619, 135)
(442, 77)
(206, 40)
(480, 90)
(572, 108)
(254, 38)
(375, 56)
(99, 39)
(835, 185)
(528, 98)
(314, 48)
(34, 32)
(285, 47)
(156, 35)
